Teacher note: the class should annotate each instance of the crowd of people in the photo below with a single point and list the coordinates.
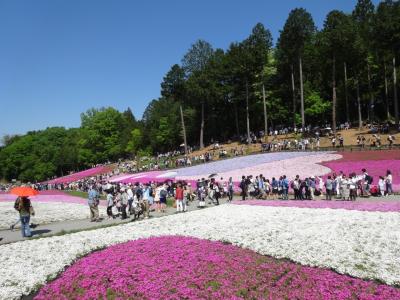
(335, 186)
(139, 199)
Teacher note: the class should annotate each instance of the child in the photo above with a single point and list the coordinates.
(381, 184)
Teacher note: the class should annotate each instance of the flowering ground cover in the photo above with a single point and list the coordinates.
(46, 212)
(304, 166)
(382, 206)
(174, 267)
(80, 175)
(370, 155)
(238, 163)
(375, 168)
(357, 243)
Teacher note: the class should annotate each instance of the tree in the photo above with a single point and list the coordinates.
(258, 44)
(101, 135)
(135, 142)
(161, 125)
(194, 61)
(386, 34)
(173, 86)
(297, 32)
(363, 14)
(334, 40)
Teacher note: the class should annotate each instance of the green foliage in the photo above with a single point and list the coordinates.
(135, 142)
(316, 107)
(101, 134)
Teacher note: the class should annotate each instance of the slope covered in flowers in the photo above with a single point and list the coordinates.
(358, 243)
(270, 165)
(188, 268)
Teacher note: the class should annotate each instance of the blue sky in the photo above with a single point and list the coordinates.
(60, 58)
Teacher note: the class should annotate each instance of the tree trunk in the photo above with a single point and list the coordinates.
(183, 130)
(202, 126)
(371, 96)
(236, 119)
(359, 105)
(247, 112)
(294, 98)
(396, 105)
(265, 115)
(334, 95)
(301, 96)
(346, 95)
(386, 92)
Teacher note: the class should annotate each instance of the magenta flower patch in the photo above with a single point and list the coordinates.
(375, 168)
(173, 267)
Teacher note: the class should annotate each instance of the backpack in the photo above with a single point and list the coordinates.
(242, 185)
(163, 193)
(369, 179)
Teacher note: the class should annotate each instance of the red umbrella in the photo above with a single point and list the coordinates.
(24, 191)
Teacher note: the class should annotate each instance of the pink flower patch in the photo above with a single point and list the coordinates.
(375, 168)
(188, 268)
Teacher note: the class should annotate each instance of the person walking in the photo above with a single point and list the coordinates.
(329, 188)
(179, 198)
(24, 206)
(130, 198)
(163, 197)
(381, 185)
(345, 188)
(93, 201)
(230, 189)
(296, 187)
(312, 187)
(285, 188)
(145, 200)
(243, 187)
(110, 204)
(389, 182)
(353, 186)
(124, 203)
(157, 197)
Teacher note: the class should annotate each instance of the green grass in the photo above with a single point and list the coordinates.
(82, 194)
(170, 202)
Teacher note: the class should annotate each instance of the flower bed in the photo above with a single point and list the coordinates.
(375, 168)
(369, 155)
(46, 212)
(304, 166)
(361, 244)
(187, 268)
(238, 163)
(383, 206)
(80, 175)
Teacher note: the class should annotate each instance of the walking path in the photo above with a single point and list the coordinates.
(11, 236)
(8, 236)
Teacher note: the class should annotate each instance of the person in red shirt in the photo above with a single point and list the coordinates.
(179, 198)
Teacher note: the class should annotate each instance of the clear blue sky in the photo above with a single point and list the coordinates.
(60, 58)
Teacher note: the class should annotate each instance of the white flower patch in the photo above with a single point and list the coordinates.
(46, 212)
(362, 244)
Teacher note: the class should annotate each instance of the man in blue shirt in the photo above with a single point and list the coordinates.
(93, 201)
(285, 188)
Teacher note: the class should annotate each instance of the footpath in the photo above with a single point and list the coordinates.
(59, 228)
